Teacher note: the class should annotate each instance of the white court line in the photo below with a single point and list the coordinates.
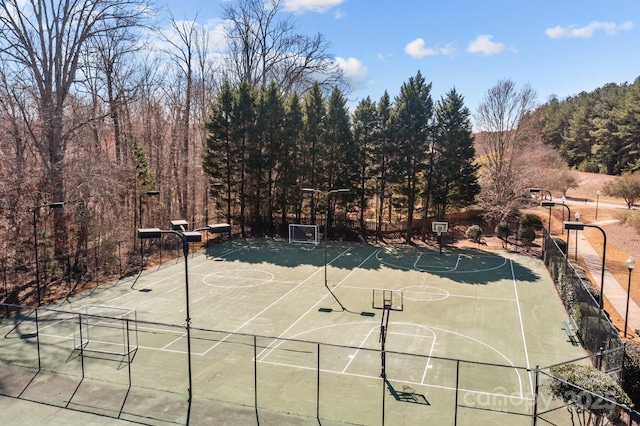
(360, 346)
(173, 341)
(434, 337)
(365, 376)
(524, 339)
(274, 303)
(444, 270)
(318, 302)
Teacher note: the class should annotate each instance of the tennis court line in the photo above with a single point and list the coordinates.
(355, 354)
(325, 296)
(524, 339)
(275, 302)
(520, 397)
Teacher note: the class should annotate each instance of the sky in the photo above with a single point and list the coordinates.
(559, 47)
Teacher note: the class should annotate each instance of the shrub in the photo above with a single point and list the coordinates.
(526, 235)
(530, 220)
(503, 232)
(562, 244)
(474, 233)
(582, 388)
(631, 372)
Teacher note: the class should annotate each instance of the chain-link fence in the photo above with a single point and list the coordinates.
(595, 331)
(121, 356)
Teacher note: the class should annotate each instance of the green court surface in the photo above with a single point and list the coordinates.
(267, 337)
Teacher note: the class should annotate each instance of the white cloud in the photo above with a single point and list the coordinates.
(301, 6)
(354, 70)
(447, 50)
(483, 44)
(609, 28)
(417, 50)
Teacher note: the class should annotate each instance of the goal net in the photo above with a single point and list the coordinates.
(106, 329)
(304, 234)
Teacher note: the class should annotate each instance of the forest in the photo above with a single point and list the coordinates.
(597, 131)
(131, 127)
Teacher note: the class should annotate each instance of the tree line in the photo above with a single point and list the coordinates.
(597, 131)
(264, 147)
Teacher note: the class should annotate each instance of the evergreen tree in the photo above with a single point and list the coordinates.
(243, 132)
(144, 174)
(605, 151)
(290, 172)
(382, 151)
(412, 133)
(219, 158)
(267, 161)
(341, 155)
(628, 129)
(457, 181)
(365, 123)
(313, 153)
(577, 141)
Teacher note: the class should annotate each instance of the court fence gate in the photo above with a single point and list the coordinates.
(116, 365)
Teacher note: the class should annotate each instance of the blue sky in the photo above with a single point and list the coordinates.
(559, 47)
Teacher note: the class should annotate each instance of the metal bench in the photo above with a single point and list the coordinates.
(572, 335)
(574, 326)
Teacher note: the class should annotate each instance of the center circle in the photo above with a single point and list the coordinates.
(234, 278)
(421, 293)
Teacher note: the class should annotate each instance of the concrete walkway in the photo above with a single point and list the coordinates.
(615, 292)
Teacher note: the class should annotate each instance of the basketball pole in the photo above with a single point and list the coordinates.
(326, 228)
(384, 324)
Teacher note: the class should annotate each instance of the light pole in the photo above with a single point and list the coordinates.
(56, 205)
(553, 204)
(326, 216)
(537, 190)
(577, 216)
(631, 263)
(597, 202)
(579, 226)
(148, 194)
(186, 237)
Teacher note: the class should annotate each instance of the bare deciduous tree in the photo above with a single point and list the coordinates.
(501, 143)
(42, 44)
(264, 47)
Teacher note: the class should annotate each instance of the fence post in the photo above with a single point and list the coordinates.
(38, 339)
(599, 357)
(455, 413)
(119, 261)
(318, 386)
(255, 376)
(535, 395)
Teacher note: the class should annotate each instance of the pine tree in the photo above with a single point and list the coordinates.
(341, 156)
(457, 182)
(365, 123)
(412, 134)
(219, 158)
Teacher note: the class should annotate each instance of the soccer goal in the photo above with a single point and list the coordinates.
(106, 329)
(304, 234)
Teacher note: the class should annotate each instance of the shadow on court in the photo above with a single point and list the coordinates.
(468, 266)
(407, 394)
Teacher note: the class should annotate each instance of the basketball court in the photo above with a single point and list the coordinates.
(349, 333)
